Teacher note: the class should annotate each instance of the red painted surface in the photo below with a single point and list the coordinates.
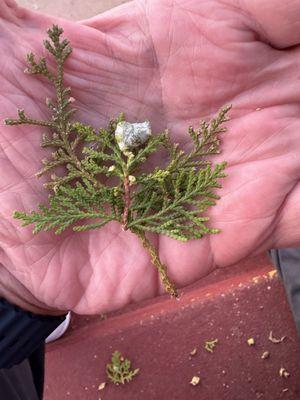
(157, 336)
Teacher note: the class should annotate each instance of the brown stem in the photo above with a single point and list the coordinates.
(127, 202)
(162, 269)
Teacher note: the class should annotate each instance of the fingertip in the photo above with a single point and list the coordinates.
(277, 22)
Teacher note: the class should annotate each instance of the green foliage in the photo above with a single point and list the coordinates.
(175, 203)
(98, 182)
(119, 370)
(70, 205)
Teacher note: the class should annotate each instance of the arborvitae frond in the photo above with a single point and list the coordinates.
(175, 203)
(119, 370)
(103, 179)
(69, 206)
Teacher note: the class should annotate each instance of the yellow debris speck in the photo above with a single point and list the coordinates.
(251, 341)
(101, 386)
(132, 179)
(265, 355)
(193, 352)
(283, 373)
(195, 380)
(273, 274)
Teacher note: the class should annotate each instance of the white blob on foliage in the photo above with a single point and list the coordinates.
(129, 136)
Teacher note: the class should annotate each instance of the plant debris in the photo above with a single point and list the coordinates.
(251, 341)
(210, 345)
(102, 386)
(284, 373)
(193, 352)
(265, 355)
(273, 274)
(274, 340)
(195, 380)
(119, 370)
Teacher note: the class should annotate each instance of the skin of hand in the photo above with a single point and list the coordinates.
(173, 63)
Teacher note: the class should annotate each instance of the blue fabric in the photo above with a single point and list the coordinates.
(24, 381)
(22, 332)
(287, 261)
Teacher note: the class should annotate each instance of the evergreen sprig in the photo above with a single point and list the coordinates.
(119, 370)
(102, 182)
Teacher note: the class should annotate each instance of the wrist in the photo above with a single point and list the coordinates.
(16, 293)
(35, 308)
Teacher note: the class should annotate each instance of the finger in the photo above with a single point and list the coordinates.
(125, 30)
(277, 21)
(9, 11)
(133, 66)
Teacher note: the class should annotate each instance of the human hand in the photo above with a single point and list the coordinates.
(171, 63)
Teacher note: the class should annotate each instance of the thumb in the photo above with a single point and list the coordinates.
(277, 21)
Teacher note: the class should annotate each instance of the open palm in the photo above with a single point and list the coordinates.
(172, 63)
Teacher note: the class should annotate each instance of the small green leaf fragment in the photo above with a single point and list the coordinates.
(210, 345)
(119, 370)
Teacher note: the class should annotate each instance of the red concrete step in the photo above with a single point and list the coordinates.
(231, 305)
